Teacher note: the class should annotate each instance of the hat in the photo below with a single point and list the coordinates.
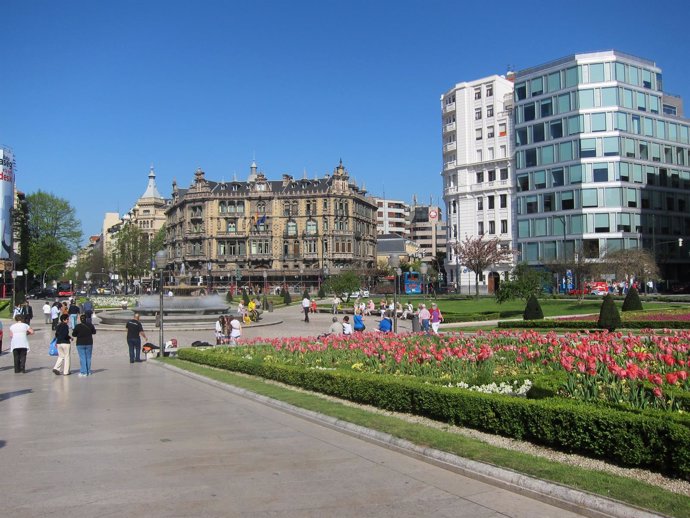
(433, 304)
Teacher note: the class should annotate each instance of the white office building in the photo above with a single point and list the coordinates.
(392, 217)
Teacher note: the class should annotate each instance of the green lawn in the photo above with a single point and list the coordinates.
(608, 485)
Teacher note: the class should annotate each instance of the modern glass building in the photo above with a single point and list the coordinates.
(601, 161)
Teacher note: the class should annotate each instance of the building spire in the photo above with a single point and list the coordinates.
(151, 189)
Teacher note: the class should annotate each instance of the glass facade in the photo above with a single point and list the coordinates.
(599, 165)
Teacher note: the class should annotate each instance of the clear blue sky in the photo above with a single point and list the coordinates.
(93, 93)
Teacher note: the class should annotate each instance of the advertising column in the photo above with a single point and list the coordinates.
(6, 205)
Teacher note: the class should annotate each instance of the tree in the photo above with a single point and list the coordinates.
(632, 301)
(634, 263)
(477, 254)
(609, 317)
(129, 254)
(345, 282)
(524, 282)
(54, 232)
(533, 309)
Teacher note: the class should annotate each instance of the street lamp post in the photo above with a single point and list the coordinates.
(161, 258)
(26, 276)
(301, 280)
(424, 268)
(398, 273)
(265, 282)
(209, 265)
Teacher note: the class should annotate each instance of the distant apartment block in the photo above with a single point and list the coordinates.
(392, 217)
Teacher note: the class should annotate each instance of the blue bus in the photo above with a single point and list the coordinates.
(412, 282)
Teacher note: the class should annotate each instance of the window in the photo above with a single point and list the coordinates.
(539, 179)
(596, 73)
(502, 129)
(478, 134)
(477, 93)
(528, 111)
(531, 205)
(537, 86)
(489, 90)
(609, 96)
(565, 151)
(491, 202)
(588, 147)
(480, 177)
(480, 228)
(601, 223)
(521, 137)
(530, 157)
(546, 108)
(549, 202)
(520, 91)
(556, 177)
(489, 111)
(492, 175)
(490, 132)
(598, 121)
(586, 98)
(492, 227)
(504, 226)
(589, 198)
(292, 228)
(523, 183)
(600, 172)
(504, 174)
(563, 103)
(610, 146)
(538, 133)
(567, 200)
(480, 203)
(477, 114)
(503, 200)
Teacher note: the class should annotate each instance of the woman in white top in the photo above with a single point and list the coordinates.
(235, 330)
(347, 327)
(19, 345)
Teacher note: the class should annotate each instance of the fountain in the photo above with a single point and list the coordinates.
(178, 311)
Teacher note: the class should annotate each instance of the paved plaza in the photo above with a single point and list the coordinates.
(145, 440)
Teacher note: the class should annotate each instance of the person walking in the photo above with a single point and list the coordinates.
(436, 318)
(306, 304)
(54, 314)
(73, 311)
(424, 317)
(19, 344)
(135, 332)
(84, 332)
(64, 347)
(27, 312)
(88, 309)
(235, 330)
(46, 312)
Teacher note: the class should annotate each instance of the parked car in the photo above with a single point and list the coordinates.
(43, 293)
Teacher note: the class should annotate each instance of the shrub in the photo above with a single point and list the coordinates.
(322, 292)
(228, 296)
(533, 310)
(632, 301)
(245, 297)
(287, 299)
(609, 317)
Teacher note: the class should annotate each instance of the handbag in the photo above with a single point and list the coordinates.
(52, 349)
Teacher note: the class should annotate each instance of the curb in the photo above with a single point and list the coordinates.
(574, 500)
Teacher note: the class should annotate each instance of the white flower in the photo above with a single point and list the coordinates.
(509, 389)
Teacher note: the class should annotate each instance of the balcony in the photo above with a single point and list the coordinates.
(449, 127)
(451, 146)
(449, 108)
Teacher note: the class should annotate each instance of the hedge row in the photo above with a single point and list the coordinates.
(591, 324)
(622, 437)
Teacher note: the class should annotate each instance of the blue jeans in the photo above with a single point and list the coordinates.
(85, 358)
(134, 349)
(425, 326)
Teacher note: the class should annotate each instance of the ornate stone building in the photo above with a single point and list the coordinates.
(274, 232)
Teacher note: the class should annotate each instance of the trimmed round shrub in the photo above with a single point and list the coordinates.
(228, 296)
(322, 293)
(287, 299)
(533, 309)
(245, 297)
(609, 317)
(632, 301)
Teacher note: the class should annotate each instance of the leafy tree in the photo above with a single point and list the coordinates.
(609, 317)
(524, 282)
(477, 254)
(345, 282)
(637, 263)
(632, 301)
(54, 232)
(129, 254)
(533, 309)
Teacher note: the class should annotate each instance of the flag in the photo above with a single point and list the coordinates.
(261, 220)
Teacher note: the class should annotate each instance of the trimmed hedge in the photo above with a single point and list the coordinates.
(622, 437)
(591, 324)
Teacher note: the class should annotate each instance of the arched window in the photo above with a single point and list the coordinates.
(311, 227)
(222, 207)
(240, 207)
(292, 228)
(261, 207)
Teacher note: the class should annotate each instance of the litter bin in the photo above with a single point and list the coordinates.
(416, 326)
(270, 306)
